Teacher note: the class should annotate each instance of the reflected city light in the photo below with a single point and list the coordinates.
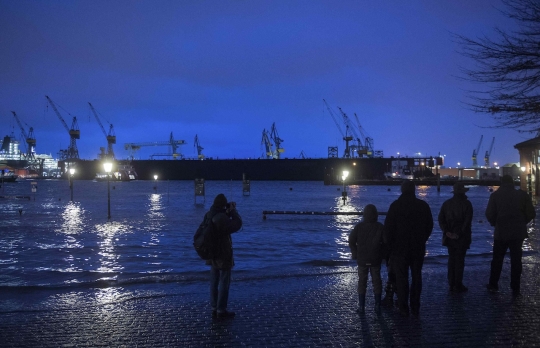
(109, 256)
(422, 191)
(72, 217)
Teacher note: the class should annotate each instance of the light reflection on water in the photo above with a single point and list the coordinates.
(56, 241)
(109, 233)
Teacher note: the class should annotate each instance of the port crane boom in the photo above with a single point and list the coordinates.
(134, 147)
(29, 138)
(346, 137)
(267, 143)
(111, 136)
(368, 141)
(199, 148)
(74, 133)
(488, 154)
(476, 151)
(277, 141)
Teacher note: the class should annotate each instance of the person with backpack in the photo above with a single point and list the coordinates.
(366, 241)
(225, 220)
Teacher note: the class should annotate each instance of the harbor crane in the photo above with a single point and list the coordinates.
(134, 147)
(29, 138)
(359, 148)
(476, 151)
(111, 137)
(347, 138)
(368, 141)
(74, 133)
(277, 141)
(488, 154)
(199, 148)
(267, 143)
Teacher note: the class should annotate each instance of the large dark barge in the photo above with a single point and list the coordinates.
(329, 170)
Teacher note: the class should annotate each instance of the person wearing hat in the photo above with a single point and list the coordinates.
(509, 210)
(455, 220)
(408, 225)
(226, 221)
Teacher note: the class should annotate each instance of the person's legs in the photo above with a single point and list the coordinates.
(516, 252)
(214, 283)
(401, 270)
(223, 294)
(362, 279)
(459, 264)
(499, 250)
(416, 283)
(377, 285)
(376, 279)
(362, 285)
(451, 276)
(390, 288)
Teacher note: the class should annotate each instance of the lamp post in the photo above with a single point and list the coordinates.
(108, 167)
(71, 172)
(344, 193)
(155, 182)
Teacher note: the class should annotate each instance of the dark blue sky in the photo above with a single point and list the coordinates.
(226, 70)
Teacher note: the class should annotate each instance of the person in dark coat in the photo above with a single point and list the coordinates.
(226, 221)
(409, 224)
(365, 242)
(455, 219)
(509, 210)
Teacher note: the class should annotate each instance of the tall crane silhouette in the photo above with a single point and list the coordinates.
(347, 138)
(277, 141)
(74, 133)
(475, 152)
(199, 148)
(29, 138)
(488, 154)
(111, 137)
(267, 144)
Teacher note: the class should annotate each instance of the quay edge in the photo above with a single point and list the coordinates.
(320, 169)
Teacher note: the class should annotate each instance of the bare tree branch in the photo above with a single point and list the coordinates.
(508, 68)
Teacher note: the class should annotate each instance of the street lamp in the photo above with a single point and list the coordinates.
(71, 172)
(155, 182)
(108, 167)
(344, 193)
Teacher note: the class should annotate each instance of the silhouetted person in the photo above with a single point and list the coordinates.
(455, 219)
(509, 210)
(409, 224)
(226, 221)
(365, 242)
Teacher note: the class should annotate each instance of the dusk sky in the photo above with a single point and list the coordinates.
(226, 70)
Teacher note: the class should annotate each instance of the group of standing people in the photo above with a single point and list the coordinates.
(401, 241)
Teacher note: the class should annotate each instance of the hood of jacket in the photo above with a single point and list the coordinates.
(370, 213)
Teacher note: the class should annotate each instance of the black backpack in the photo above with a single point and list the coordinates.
(203, 240)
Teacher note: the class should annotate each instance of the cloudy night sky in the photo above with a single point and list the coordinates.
(226, 70)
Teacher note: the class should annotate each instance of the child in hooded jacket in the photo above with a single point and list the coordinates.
(366, 242)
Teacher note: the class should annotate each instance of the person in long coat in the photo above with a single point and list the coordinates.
(509, 210)
(455, 220)
(409, 224)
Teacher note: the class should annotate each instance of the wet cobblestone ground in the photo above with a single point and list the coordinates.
(306, 311)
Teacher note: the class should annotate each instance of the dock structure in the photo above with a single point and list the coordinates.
(301, 212)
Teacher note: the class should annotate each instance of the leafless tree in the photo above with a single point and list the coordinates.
(508, 67)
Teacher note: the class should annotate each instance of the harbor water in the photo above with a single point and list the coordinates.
(62, 253)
